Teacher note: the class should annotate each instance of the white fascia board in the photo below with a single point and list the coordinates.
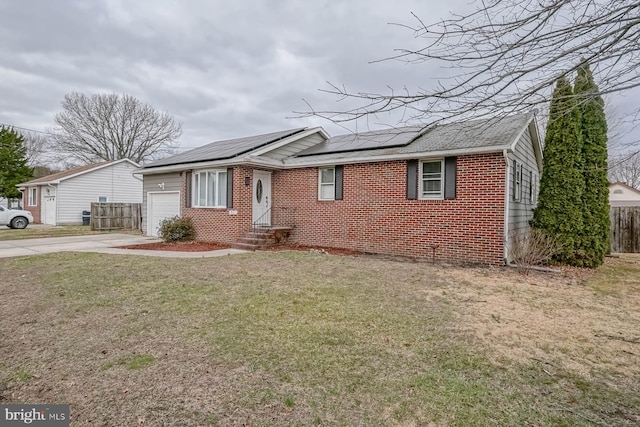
(532, 127)
(288, 140)
(535, 139)
(184, 166)
(235, 161)
(390, 157)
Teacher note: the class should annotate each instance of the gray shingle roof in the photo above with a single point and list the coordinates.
(466, 135)
(224, 149)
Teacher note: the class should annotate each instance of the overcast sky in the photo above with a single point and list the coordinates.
(223, 69)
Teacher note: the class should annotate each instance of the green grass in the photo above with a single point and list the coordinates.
(132, 363)
(292, 339)
(21, 374)
(37, 233)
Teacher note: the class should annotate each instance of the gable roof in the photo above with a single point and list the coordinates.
(55, 178)
(451, 139)
(625, 185)
(220, 150)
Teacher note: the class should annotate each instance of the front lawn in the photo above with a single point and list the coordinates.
(32, 232)
(295, 338)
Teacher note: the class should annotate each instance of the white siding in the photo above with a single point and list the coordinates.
(115, 181)
(521, 212)
(620, 195)
(295, 147)
(172, 182)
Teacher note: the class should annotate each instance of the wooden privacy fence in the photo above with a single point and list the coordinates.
(116, 216)
(625, 229)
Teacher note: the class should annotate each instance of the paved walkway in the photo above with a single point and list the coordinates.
(101, 243)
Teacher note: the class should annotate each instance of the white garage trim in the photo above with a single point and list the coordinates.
(161, 205)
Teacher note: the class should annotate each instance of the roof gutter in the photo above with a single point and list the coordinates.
(390, 157)
(507, 192)
(295, 162)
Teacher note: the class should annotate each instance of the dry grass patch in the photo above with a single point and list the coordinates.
(295, 338)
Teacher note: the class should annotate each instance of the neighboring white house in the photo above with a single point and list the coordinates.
(621, 194)
(60, 198)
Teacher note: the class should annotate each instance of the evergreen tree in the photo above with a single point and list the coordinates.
(595, 200)
(13, 163)
(559, 209)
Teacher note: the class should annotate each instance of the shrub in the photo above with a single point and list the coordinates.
(531, 248)
(177, 229)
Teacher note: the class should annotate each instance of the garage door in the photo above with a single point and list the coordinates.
(161, 206)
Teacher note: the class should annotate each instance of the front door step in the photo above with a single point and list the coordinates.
(262, 238)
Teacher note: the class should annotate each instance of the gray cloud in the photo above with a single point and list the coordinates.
(224, 69)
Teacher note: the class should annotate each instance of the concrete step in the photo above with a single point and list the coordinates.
(255, 241)
(248, 246)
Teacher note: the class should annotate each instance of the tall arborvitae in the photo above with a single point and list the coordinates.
(559, 210)
(595, 200)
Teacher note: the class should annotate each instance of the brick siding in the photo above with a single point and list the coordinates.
(217, 225)
(375, 215)
(35, 210)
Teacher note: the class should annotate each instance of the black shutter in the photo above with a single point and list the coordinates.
(450, 172)
(229, 188)
(339, 177)
(188, 185)
(412, 179)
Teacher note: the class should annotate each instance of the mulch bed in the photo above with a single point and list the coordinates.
(209, 246)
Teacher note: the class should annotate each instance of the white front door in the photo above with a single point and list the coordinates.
(261, 198)
(49, 208)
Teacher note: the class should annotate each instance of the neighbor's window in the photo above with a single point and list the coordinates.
(327, 185)
(33, 196)
(431, 180)
(517, 181)
(103, 199)
(210, 189)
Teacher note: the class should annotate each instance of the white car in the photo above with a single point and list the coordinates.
(15, 218)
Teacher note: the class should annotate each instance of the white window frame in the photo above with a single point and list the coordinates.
(33, 196)
(322, 185)
(421, 179)
(106, 199)
(195, 188)
(517, 181)
(533, 187)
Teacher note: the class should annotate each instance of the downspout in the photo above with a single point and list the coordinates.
(506, 207)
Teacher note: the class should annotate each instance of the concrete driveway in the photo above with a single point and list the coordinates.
(102, 243)
(88, 243)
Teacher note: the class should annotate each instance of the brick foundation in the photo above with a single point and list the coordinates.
(375, 215)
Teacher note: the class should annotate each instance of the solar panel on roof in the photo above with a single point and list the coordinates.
(225, 149)
(386, 138)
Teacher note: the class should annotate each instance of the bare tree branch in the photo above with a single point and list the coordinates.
(113, 127)
(506, 55)
(38, 146)
(625, 168)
